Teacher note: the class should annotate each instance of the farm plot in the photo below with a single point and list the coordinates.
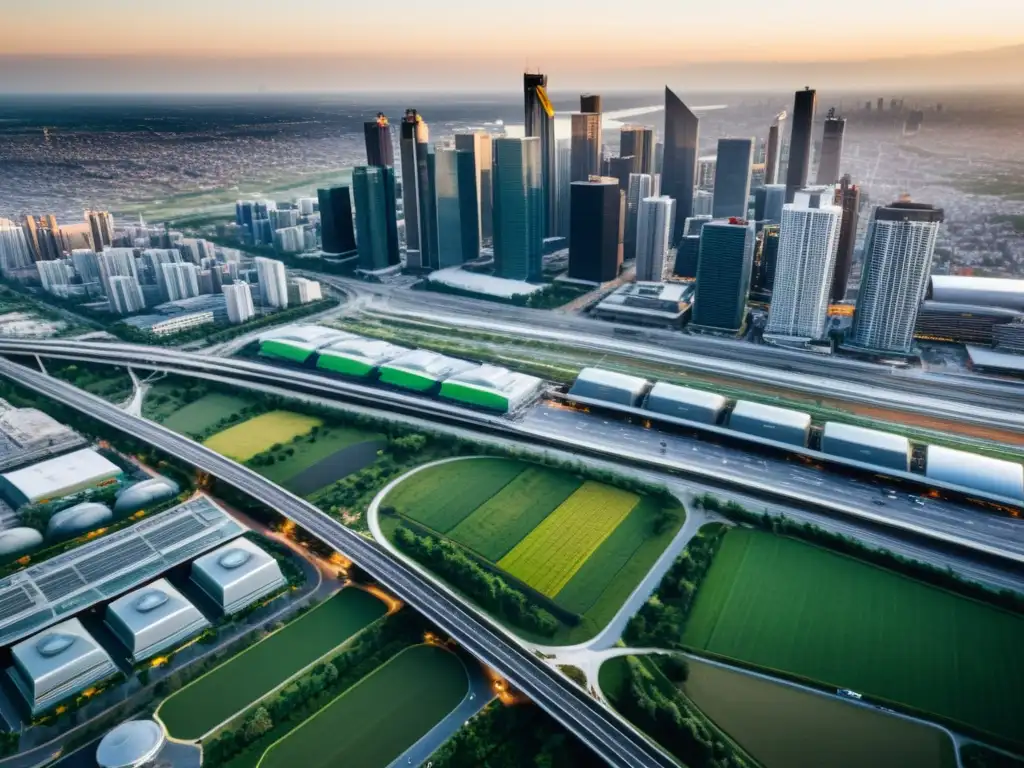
(321, 454)
(243, 441)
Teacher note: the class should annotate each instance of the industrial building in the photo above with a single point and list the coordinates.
(421, 370)
(662, 305)
(141, 495)
(297, 342)
(962, 323)
(598, 384)
(971, 470)
(57, 664)
(492, 387)
(78, 519)
(995, 360)
(237, 575)
(58, 477)
(153, 619)
(357, 356)
(134, 744)
(686, 403)
(28, 434)
(868, 445)
(770, 422)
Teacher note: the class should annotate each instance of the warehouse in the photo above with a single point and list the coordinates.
(971, 470)
(492, 387)
(611, 387)
(297, 342)
(57, 664)
(78, 519)
(141, 495)
(58, 477)
(237, 575)
(686, 403)
(154, 619)
(868, 445)
(28, 435)
(357, 356)
(770, 422)
(421, 370)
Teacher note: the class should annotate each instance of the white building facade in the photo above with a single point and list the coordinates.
(238, 297)
(273, 281)
(653, 237)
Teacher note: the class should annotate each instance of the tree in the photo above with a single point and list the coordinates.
(258, 723)
(676, 668)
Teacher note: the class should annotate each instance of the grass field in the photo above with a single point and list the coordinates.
(213, 698)
(379, 717)
(329, 441)
(243, 441)
(788, 606)
(557, 548)
(785, 727)
(198, 416)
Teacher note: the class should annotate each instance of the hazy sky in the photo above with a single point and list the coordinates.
(446, 37)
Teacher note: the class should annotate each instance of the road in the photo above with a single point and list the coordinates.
(607, 734)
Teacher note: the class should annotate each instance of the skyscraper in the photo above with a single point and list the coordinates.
(641, 186)
(804, 104)
(768, 202)
(181, 280)
(595, 247)
(125, 295)
(637, 141)
(831, 148)
(273, 282)
(703, 203)
(620, 168)
(679, 166)
(563, 168)
(101, 228)
(519, 208)
(848, 197)
(15, 252)
(732, 178)
(479, 144)
(337, 234)
(238, 298)
(723, 274)
(413, 140)
(118, 262)
(540, 122)
(586, 139)
(897, 263)
(427, 171)
(806, 260)
(773, 149)
(687, 256)
(653, 230)
(380, 150)
(765, 259)
(376, 234)
(55, 276)
(458, 229)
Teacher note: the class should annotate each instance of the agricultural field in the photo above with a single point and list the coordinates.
(378, 718)
(200, 415)
(311, 461)
(208, 701)
(243, 441)
(791, 607)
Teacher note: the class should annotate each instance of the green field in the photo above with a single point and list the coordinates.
(788, 606)
(785, 727)
(329, 440)
(379, 717)
(243, 441)
(215, 697)
(199, 415)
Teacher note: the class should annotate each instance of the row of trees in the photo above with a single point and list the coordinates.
(487, 589)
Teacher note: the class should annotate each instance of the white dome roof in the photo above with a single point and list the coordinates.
(130, 744)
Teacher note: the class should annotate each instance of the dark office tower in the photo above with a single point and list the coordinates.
(768, 202)
(765, 259)
(831, 148)
(428, 206)
(881, 104)
(337, 233)
(638, 141)
(414, 136)
(723, 274)
(679, 168)
(586, 139)
(380, 151)
(732, 178)
(620, 168)
(804, 105)
(773, 149)
(479, 145)
(687, 255)
(376, 234)
(595, 248)
(540, 122)
(847, 196)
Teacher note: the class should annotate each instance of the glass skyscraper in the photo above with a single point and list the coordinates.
(336, 230)
(540, 122)
(519, 208)
(723, 274)
(458, 229)
(831, 148)
(732, 178)
(376, 230)
(804, 104)
(679, 164)
(595, 251)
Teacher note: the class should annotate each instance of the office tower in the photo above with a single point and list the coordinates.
(336, 232)
(54, 276)
(380, 151)
(458, 228)
(376, 233)
(848, 197)
(695, 224)
(238, 298)
(563, 175)
(641, 186)
(897, 263)
(15, 252)
(766, 257)
(805, 263)
(723, 274)
(414, 138)
(87, 265)
(181, 280)
(595, 246)
(540, 123)
(732, 178)
(768, 202)
(831, 148)
(679, 166)
(273, 282)
(773, 150)
(620, 168)
(586, 139)
(519, 208)
(125, 295)
(101, 228)
(479, 145)
(687, 255)
(653, 237)
(637, 141)
(804, 104)
(703, 203)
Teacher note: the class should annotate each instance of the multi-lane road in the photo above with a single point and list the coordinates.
(603, 731)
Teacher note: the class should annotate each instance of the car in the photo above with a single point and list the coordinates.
(849, 694)
(919, 501)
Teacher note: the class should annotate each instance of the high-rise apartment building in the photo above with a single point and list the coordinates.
(458, 228)
(768, 202)
(586, 139)
(181, 280)
(238, 298)
(723, 274)
(679, 165)
(303, 291)
(87, 265)
(413, 142)
(773, 149)
(479, 145)
(336, 231)
(519, 208)
(117, 262)
(595, 244)
(15, 252)
(703, 204)
(273, 282)
(55, 276)
(848, 198)
(376, 230)
(653, 232)
(831, 148)
(806, 260)
(540, 123)
(897, 263)
(101, 229)
(804, 104)
(641, 186)
(125, 295)
(732, 178)
(380, 149)
(637, 141)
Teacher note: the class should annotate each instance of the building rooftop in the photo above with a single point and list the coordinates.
(983, 357)
(52, 476)
(689, 395)
(603, 378)
(873, 438)
(237, 574)
(772, 413)
(153, 618)
(29, 427)
(431, 363)
(369, 351)
(314, 336)
(131, 745)
(456, 277)
(980, 291)
(972, 470)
